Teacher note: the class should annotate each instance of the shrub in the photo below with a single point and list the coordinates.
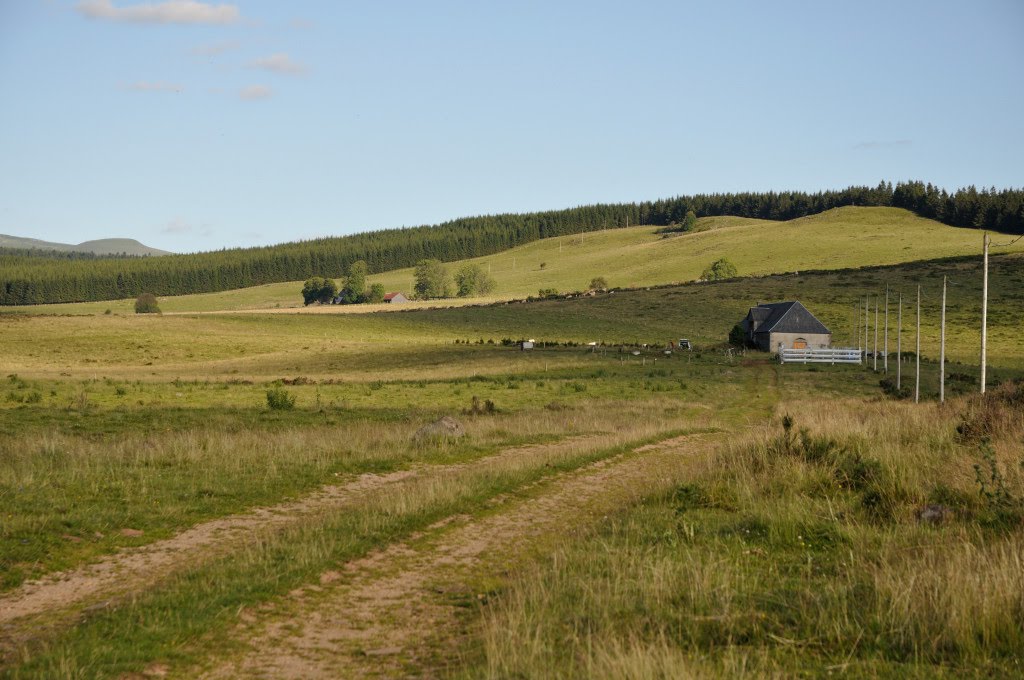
(598, 283)
(278, 399)
(690, 221)
(146, 304)
(720, 270)
(480, 408)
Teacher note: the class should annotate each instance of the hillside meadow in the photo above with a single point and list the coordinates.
(638, 256)
(615, 511)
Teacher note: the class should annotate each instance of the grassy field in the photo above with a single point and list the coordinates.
(637, 256)
(420, 345)
(798, 551)
(607, 514)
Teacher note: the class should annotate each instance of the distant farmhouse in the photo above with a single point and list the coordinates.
(784, 325)
(395, 298)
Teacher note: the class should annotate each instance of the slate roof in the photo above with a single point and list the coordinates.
(786, 317)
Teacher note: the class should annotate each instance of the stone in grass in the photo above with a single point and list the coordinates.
(445, 428)
(933, 514)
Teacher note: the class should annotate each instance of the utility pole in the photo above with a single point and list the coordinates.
(917, 354)
(885, 350)
(856, 325)
(942, 347)
(865, 330)
(899, 344)
(984, 309)
(875, 351)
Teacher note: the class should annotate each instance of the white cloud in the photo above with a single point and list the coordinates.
(279, 63)
(157, 86)
(167, 12)
(253, 92)
(215, 49)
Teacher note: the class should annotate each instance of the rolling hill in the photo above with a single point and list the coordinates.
(639, 256)
(105, 246)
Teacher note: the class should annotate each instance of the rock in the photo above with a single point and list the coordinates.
(933, 514)
(445, 428)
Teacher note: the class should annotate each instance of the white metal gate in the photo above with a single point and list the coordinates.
(820, 356)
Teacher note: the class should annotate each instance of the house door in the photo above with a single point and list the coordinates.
(799, 343)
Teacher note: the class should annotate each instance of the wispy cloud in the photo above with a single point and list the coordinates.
(167, 12)
(883, 144)
(176, 226)
(254, 92)
(156, 86)
(280, 63)
(215, 49)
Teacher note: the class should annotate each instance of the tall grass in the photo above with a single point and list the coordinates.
(797, 550)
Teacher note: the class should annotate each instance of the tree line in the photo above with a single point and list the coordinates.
(33, 278)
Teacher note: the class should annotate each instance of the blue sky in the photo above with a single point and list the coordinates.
(197, 125)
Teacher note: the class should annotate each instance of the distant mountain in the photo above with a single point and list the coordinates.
(103, 246)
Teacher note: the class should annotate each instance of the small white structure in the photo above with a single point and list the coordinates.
(395, 298)
(526, 344)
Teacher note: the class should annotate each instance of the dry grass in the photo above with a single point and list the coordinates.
(795, 552)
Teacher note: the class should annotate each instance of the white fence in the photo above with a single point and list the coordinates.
(820, 356)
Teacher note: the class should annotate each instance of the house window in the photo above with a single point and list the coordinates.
(800, 343)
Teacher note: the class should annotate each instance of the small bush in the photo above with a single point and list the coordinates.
(278, 399)
(480, 408)
(720, 270)
(146, 304)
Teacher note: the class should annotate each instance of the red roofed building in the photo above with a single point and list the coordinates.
(393, 298)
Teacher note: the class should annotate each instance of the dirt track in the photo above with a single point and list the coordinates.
(60, 595)
(392, 613)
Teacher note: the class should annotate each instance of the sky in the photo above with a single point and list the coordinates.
(194, 125)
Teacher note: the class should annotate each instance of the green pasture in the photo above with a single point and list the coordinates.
(456, 342)
(638, 256)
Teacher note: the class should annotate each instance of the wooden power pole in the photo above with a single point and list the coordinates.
(866, 330)
(885, 340)
(917, 354)
(942, 347)
(899, 344)
(984, 309)
(874, 352)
